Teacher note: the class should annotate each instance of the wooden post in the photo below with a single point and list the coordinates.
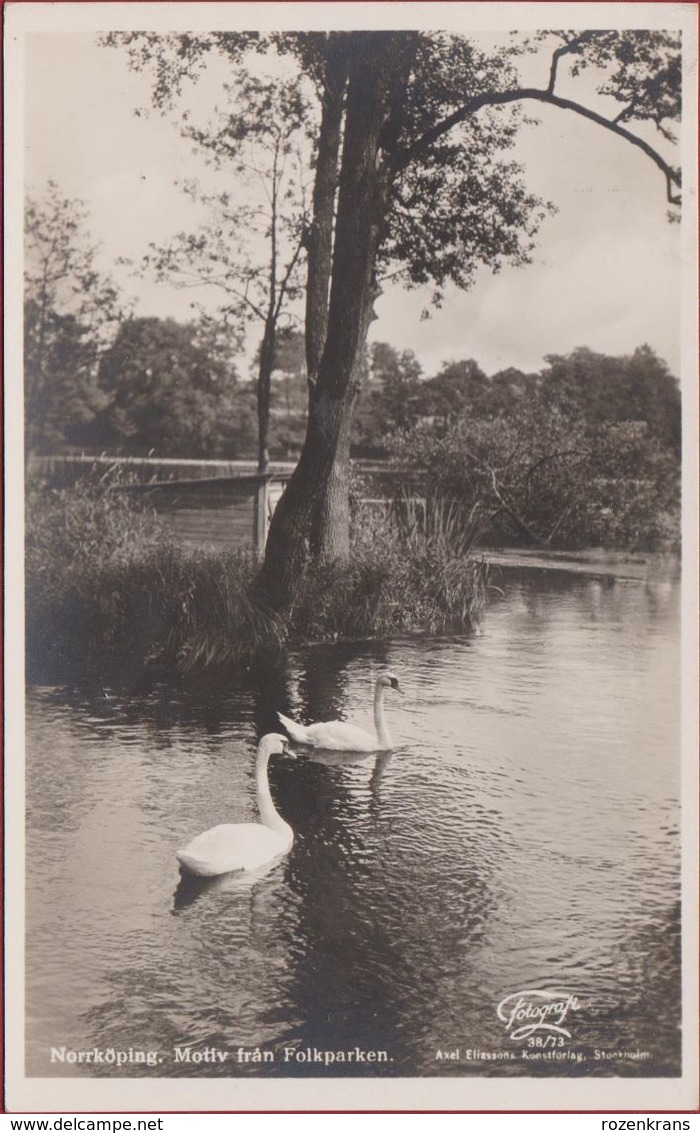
(260, 517)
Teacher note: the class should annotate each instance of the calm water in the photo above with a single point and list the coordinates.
(522, 836)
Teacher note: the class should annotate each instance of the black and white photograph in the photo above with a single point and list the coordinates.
(351, 556)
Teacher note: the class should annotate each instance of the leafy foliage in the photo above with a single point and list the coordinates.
(178, 58)
(390, 399)
(597, 388)
(70, 312)
(642, 70)
(458, 388)
(289, 393)
(587, 456)
(458, 203)
(171, 388)
(250, 248)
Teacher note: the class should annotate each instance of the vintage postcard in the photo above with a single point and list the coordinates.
(351, 594)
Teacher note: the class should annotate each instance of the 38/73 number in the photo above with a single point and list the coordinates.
(545, 1041)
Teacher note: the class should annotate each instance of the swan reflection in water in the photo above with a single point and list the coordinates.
(191, 888)
(339, 759)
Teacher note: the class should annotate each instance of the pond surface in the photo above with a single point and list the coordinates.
(522, 838)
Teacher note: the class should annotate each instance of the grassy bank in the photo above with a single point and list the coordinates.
(109, 593)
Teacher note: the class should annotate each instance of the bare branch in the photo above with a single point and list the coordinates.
(565, 49)
(286, 278)
(190, 279)
(625, 112)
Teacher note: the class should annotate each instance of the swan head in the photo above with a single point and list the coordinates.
(275, 744)
(388, 680)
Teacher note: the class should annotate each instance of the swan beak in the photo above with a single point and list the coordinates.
(397, 687)
(287, 752)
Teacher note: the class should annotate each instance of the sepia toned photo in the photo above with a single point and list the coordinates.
(351, 624)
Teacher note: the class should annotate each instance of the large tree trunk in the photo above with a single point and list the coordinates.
(320, 238)
(312, 518)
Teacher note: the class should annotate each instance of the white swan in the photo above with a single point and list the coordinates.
(246, 845)
(336, 735)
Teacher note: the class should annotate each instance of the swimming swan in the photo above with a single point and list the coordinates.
(336, 735)
(246, 845)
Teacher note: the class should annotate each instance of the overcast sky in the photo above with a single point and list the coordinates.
(606, 271)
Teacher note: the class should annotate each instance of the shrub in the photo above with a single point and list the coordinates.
(76, 542)
(544, 478)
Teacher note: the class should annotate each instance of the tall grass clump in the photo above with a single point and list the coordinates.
(409, 572)
(108, 591)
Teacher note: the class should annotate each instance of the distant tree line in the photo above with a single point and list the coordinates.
(595, 389)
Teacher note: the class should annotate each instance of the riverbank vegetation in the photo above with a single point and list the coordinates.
(585, 453)
(109, 593)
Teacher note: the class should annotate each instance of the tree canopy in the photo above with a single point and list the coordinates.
(170, 387)
(71, 310)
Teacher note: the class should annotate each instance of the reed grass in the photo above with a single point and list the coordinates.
(110, 593)
(409, 572)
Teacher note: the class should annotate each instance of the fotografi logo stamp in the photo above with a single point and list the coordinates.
(528, 1011)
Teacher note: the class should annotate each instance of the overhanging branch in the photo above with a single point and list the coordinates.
(503, 98)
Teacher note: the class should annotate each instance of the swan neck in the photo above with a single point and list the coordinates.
(268, 813)
(379, 721)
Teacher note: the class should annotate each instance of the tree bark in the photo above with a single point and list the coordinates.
(320, 237)
(312, 518)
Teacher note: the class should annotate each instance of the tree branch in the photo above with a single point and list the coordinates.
(502, 98)
(565, 49)
(509, 509)
(557, 525)
(286, 278)
(625, 113)
(198, 280)
(551, 456)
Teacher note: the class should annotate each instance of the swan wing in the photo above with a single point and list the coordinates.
(334, 735)
(298, 732)
(226, 848)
